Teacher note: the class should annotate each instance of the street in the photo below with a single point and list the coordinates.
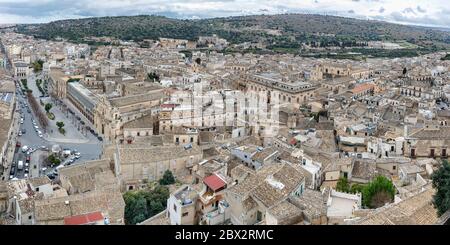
(88, 145)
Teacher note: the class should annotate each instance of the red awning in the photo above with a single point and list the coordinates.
(214, 182)
(83, 219)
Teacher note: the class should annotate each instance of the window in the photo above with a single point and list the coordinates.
(130, 187)
(185, 214)
(29, 217)
(431, 152)
(394, 167)
(258, 216)
(444, 152)
(192, 139)
(37, 188)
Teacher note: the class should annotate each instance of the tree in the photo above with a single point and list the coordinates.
(54, 160)
(167, 178)
(60, 124)
(356, 188)
(152, 76)
(342, 185)
(135, 207)
(441, 182)
(378, 192)
(143, 204)
(71, 80)
(48, 107)
(37, 65)
(157, 199)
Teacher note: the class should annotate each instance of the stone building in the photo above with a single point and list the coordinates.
(430, 141)
(258, 191)
(136, 164)
(111, 114)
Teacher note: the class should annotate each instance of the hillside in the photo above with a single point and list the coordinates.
(295, 29)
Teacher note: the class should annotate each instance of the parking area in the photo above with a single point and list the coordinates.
(35, 144)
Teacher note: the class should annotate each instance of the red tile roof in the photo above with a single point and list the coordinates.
(363, 87)
(83, 219)
(214, 182)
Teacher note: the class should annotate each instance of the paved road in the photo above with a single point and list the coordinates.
(88, 145)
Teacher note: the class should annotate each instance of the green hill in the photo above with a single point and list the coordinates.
(294, 29)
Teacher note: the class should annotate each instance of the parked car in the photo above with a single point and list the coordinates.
(24, 148)
(18, 144)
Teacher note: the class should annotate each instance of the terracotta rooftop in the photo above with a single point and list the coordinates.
(214, 182)
(83, 219)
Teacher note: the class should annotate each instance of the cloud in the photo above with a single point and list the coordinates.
(421, 10)
(399, 11)
(409, 10)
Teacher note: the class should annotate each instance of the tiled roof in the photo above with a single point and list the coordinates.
(54, 210)
(83, 219)
(441, 133)
(214, 182)
(270, 185)
(130, 100)
(142, 122)
(416, 210)
(134, 153)
(285, 210)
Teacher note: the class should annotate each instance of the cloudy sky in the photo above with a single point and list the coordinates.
(416, 12)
